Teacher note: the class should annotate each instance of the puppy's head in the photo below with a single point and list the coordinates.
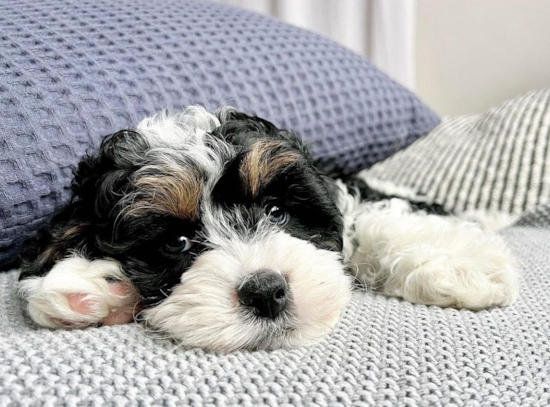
(221, 222)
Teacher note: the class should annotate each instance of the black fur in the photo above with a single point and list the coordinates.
(99, 179)
(366, 193)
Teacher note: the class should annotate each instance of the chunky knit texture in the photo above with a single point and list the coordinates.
(496, 162)
(384, 352)
(72, 71)
(538, 217)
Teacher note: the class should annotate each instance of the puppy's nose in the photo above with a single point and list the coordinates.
(265, 291)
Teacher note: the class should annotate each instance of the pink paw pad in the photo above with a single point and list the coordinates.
(123, 314)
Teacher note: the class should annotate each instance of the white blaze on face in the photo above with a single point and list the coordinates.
(204, 309)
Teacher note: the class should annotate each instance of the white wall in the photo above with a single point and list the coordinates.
(470, 54)
(473, 54)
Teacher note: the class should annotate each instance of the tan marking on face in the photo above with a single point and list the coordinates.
(265, 160)
(54, 252)
(75, 230)
(176, 193)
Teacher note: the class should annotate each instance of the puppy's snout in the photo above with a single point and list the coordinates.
(266, 292)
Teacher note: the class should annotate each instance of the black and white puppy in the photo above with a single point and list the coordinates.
(218, 230)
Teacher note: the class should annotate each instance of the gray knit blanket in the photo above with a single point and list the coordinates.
(383, 352)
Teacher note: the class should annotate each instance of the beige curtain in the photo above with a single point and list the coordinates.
(381, 30)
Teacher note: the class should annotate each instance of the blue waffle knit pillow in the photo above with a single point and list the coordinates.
(74, 71)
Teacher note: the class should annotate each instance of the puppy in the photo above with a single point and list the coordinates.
(219, 231)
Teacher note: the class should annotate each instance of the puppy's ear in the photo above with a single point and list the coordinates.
(99, 180)
(104, 174)
(238, 128)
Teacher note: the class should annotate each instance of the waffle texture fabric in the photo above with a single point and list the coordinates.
(384, 352)
(497, 162)
(76, 70)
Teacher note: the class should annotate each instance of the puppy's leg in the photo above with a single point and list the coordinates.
(78, 292)
(436, 260)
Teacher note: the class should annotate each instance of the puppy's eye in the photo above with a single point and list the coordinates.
(178, 244)
(276, 214)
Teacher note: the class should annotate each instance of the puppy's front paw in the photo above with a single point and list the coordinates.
(466, 269)
(428, 259)
(77, 293)
(445, 281)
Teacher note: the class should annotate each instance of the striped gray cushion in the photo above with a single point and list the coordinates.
(495, 163)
